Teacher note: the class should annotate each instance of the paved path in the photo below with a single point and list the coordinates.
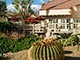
(71, 53)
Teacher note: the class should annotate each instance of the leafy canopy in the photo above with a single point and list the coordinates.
(23, 6)
(2, 7)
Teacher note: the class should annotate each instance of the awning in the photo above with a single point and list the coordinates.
(14, 18)
(40, 18)
(30, 19)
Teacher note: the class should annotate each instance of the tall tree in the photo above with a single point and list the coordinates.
(23, 8)
(2, 7)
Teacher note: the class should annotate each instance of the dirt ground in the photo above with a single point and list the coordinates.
(70, 52)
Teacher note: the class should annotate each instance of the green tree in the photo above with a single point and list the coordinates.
(2, 7)
(23, 8)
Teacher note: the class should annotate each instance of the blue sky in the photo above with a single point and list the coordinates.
(36, 4)
(35, 1)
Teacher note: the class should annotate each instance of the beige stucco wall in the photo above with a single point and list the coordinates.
(76, 12)
(60, 12)
(55, 12)
(42, 12)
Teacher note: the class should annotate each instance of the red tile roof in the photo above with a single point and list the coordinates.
(60, 4)
(68, 4)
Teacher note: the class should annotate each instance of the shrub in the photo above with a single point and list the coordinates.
(18, 44)
(9, 26)
(65, 35)
(24, 43)
(62, 41)
(7, 44)
(72, 40)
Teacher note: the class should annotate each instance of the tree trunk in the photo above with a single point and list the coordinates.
(23, 26)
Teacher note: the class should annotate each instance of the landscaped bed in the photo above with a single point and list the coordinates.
(16, 51)
(70, 52)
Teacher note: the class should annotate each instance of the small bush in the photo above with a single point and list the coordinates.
(18, 44)
(24, 43)
(72, 40)
(7, 44)
(65, 35)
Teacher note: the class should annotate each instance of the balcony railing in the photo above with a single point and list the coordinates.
(54, 27)
(35, 27)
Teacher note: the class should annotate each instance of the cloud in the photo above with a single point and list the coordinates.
(36, 7)
(10, 7)
(41, 1)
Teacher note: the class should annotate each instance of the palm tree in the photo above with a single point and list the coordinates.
(23, 8)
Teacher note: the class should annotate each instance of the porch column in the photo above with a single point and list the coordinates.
(78, 23)
(72, 21)
(33, 29)
(65, 23)
(33, 25)
(59, 23)
(59, 20)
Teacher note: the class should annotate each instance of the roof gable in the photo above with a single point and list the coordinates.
(52, 4)
(67, 5)
(60, 4)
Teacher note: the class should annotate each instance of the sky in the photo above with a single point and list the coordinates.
(36, 4)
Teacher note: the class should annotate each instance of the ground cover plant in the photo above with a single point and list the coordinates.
(10, 45)
(70, 41)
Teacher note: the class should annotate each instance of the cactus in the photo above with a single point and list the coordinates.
(46, 50)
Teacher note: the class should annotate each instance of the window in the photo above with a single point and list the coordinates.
(51, 26)
(63, 26)
(54, 20)
(79, 21)
(63, 20)
(68, 26)
(68, 20)
(52, 30)
(75, 20)
(59, 20)
(29, 27)
(50, 20)
(58, 26)
(75, 26)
